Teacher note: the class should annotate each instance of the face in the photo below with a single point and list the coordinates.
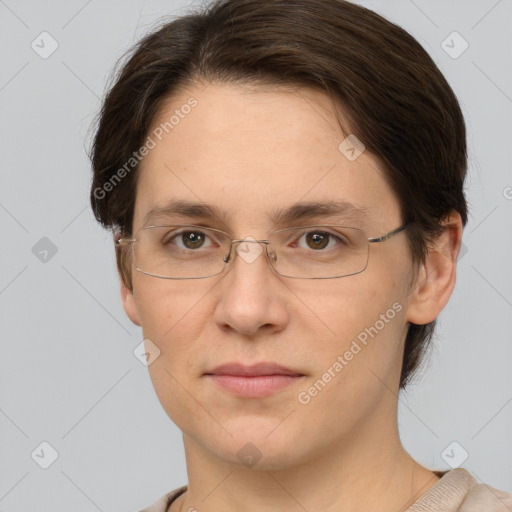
(247, 152)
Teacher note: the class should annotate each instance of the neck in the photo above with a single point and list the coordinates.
(367, 470)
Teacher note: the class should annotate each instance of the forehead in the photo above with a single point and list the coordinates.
(253, 152)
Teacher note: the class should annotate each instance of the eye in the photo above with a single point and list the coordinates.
(319, 240)
(186, 239)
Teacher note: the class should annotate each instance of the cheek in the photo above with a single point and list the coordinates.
(356, 369)
(173, 315)
(362, 324)
(346, 306)
(166, 306)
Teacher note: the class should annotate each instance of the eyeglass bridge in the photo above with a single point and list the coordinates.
(271, 255)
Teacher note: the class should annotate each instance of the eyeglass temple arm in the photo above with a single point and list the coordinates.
(125, 241)
(388, 235)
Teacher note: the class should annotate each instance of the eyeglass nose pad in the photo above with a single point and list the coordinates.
(227, 258)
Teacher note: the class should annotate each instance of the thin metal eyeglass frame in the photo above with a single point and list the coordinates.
(386, 236)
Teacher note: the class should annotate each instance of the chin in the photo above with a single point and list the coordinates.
(259, 445)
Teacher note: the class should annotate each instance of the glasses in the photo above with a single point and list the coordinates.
(306, 252)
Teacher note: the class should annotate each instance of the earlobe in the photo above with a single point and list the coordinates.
(436, 278)
(129, 304)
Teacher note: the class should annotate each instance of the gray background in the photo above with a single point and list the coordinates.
(68, 375)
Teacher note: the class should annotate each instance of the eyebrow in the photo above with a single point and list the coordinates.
(298, 211)
(313, 209)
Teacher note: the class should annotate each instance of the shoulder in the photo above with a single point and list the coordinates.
(459, 491)
(163, 504)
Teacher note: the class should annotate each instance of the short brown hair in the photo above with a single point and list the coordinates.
(395, 99)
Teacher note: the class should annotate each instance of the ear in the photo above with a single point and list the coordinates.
(129, 304)
(436, 278)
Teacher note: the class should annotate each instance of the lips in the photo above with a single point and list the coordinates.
(257, 370)
(256, 381)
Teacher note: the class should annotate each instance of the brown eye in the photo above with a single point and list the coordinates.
(317, 240)
(189, 239)
(192, 239)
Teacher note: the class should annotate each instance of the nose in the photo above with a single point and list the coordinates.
(252, 297)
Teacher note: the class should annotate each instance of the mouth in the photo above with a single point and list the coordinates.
(257, 381)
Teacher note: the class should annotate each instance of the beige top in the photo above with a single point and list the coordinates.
(457, 491)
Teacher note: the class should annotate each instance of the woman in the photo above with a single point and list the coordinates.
(285, 185)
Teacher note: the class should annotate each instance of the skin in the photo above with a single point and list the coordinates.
(247, 150)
